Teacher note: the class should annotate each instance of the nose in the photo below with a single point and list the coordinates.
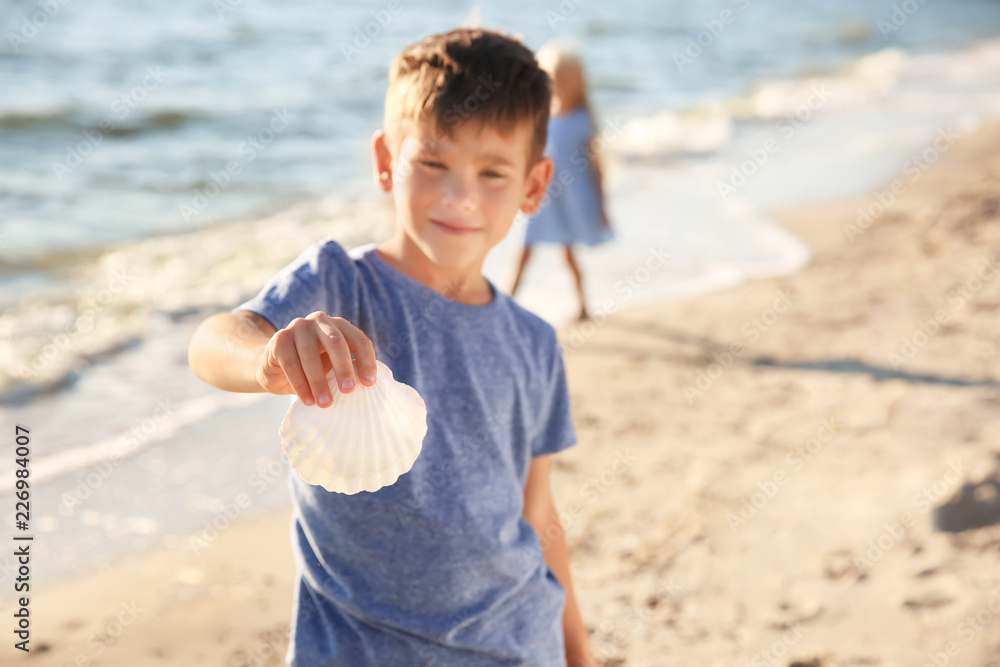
(457, 192)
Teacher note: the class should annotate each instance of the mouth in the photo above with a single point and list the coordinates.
(454, 228)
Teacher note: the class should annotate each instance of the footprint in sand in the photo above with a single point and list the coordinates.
(839, 564)
(974, 505)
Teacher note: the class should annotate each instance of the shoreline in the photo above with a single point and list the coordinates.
(771, 513)
(867, 124)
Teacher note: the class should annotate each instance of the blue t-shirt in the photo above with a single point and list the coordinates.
(440, 568)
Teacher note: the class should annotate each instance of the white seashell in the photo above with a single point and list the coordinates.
(363, 441)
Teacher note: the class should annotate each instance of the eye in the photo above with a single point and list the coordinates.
(432, 164)
(492, 174)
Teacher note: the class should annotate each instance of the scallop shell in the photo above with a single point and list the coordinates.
(363, 441)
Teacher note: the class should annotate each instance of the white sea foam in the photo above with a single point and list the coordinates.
(103, 456)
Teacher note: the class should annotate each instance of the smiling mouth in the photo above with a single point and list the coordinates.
(454, 229)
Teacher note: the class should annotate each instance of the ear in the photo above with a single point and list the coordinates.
(537, 184)
(382, 161)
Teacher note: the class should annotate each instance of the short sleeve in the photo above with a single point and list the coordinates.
(557, 431)
(323, 277)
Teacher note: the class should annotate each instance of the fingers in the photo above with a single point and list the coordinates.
(307, 348)
(288, 360)
(299, 353)
(364, 351)
(329, 336)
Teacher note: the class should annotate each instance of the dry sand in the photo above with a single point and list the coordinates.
(770, 507)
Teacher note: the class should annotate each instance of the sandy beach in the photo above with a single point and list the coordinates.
(757, 477)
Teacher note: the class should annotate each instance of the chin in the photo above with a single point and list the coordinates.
(452, 258)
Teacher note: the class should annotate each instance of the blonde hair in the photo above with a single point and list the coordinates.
(561, 58)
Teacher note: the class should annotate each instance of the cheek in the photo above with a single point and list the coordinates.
(501, 200)
(418, 192)
(500, 207)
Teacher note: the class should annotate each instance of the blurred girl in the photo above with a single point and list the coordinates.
(573, 210)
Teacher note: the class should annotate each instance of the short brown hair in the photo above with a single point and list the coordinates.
(470, 73)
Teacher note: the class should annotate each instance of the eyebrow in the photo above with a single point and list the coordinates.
(493, 157)
(436, 151)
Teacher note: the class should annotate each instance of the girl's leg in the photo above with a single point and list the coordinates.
(525, 254)
(579, 282)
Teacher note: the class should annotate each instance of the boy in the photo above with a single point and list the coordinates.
(462, 561)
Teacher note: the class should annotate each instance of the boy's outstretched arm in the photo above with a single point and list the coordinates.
(225, 350)
(243, 352)
(540, 511)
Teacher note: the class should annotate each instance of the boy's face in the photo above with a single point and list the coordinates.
(456, 198)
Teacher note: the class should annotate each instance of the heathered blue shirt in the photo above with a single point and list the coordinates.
(440, 568)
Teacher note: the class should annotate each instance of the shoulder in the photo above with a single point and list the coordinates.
(574, 124)
(582, 120)
(322, 252)
(527, 320)
(332, 251)
(538, 334)
(570, 118)
(323, 266)
(327, 258)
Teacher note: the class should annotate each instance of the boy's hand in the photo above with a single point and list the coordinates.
(297, 358)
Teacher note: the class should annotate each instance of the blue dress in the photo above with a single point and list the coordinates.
(571, 210)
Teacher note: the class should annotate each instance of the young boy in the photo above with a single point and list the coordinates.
(462, 561)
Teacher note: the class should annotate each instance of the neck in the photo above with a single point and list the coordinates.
(560, 105)
(559, 108)
(464, 284)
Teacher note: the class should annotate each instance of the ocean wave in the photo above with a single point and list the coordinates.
(99, 455)
(24, 120)
(111, 293)
(40, 119)
(709, 127)
(712, 125)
